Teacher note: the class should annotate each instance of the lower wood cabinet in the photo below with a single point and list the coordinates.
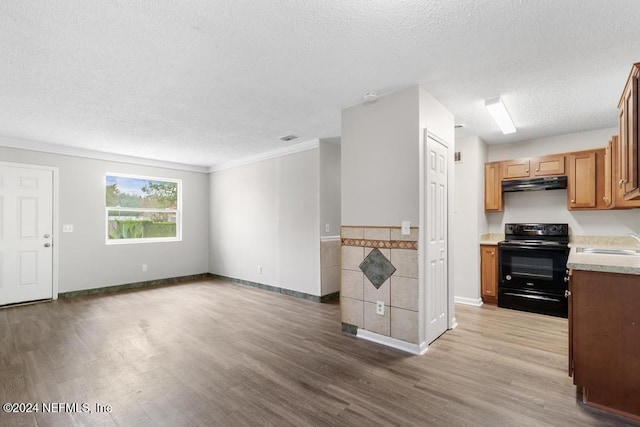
(489, 273)
(604, 339)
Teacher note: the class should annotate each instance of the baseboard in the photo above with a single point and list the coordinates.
(417, 349)
(135, 285)
(468, 301)
(278, 290)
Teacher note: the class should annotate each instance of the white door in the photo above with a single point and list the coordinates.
(436, 210)
(26, 226)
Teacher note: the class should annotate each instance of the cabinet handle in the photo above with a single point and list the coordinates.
(527, 171)
(537, 170)
(493, 253)
(621, 182)
(573, 201)
(567, 293)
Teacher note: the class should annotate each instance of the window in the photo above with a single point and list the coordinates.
(142, 209)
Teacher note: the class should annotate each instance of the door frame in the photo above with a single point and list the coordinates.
(451, 320)
(55, 215)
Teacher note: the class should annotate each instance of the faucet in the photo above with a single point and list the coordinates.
(635, 236)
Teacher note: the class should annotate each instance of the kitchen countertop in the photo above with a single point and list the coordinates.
(623, 264)
(491, 239)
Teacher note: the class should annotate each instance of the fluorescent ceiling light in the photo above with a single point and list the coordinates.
(500, 115)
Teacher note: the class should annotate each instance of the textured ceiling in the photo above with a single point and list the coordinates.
(205, 82)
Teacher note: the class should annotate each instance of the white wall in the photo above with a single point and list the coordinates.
(330, 186)
(267, 213)
(469, 221)
(551, 206)
(85, 261)
(551, 145)
(435, 117)
(380, 148)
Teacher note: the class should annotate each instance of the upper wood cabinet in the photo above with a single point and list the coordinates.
(608, 174)
(585, 180)
(548, 165)
(492, 187)
(617, 188)
(629, 183)
(537, 166)
(512, 169)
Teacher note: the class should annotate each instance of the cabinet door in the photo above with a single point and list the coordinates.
(628, 122)
(617, 190)
(489, 273)
(570, 305)
(548, 165)
(515, 169)
(492, 187)
(608, 175)
(582, 180)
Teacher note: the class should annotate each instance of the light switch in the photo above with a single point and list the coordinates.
(67, 228)
(406, 228)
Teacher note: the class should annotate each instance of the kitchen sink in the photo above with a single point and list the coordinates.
(605, 251)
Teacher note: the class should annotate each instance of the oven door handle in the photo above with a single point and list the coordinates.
(538, 297)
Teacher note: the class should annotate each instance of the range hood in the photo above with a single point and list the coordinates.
(534, 184)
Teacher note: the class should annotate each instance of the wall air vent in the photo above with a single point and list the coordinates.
(288, 138)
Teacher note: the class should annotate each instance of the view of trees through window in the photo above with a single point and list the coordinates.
(141, 208)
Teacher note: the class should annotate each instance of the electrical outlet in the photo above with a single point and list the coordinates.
(67, 228)
(406, 228)
(145, 267)
(380, 308)
(259, 269)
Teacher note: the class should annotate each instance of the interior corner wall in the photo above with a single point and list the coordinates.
(435, 118)
(551, 206)
(330, 187)
(379, 161)
(469, 220)
(85, 260)
(267, 214)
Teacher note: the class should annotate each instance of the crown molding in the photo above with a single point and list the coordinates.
(45, 147)
(297, 148)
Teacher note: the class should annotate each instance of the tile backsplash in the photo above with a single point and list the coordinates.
(380, 264)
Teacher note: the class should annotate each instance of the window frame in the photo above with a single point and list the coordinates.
(177, 210)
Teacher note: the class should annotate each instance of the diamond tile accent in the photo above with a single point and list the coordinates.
(377, 268)
(385, 244)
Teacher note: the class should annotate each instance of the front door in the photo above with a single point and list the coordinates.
(26, 228)
(436, 238)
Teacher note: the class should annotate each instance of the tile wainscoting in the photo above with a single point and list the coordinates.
(380, 264)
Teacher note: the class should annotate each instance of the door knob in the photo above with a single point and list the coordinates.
(46, 236)
(47, 245)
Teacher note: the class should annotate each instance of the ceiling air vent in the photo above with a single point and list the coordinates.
(288, 138)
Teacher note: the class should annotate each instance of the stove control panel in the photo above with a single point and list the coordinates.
(536, 229)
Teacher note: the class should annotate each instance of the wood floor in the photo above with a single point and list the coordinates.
(215, 353)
